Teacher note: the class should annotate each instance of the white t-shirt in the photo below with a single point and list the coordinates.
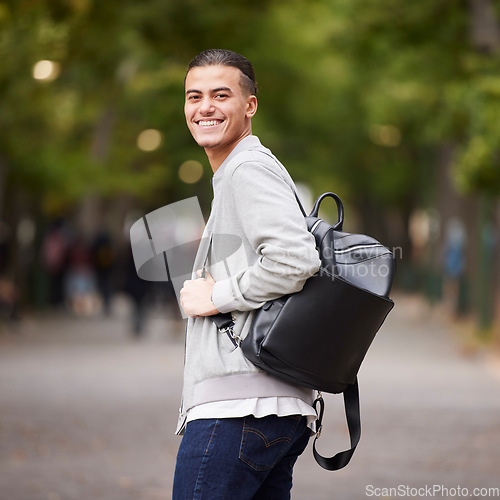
(258, 407)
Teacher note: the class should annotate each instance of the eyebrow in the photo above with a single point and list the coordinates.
(214, 91)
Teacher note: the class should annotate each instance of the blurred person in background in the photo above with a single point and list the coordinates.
(80, 282)
(138, 290)
(9, 294)
(54, 260)
(103, 258)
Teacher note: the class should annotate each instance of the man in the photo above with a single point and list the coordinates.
(243, 429)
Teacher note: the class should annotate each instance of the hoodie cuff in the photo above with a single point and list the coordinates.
(222, 296)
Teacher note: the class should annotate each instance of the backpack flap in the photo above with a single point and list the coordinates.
(364, 262)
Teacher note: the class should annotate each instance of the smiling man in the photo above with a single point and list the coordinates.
(219, 108)
(242, 428)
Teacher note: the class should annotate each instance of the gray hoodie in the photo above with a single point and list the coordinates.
(257, 248)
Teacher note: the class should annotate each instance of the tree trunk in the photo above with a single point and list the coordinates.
(102, 134)
(3, 175)
(485, 37)
(484, 27)
(90, 214)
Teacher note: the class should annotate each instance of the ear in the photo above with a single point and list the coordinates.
(251, 106)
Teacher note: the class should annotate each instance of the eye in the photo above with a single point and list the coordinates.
(221, 96)
(193, 97)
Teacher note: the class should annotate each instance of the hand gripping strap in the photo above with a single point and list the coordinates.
(351, 403)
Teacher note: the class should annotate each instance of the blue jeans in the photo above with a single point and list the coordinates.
(239, 458)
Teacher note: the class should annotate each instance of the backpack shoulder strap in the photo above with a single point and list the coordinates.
(351, 403)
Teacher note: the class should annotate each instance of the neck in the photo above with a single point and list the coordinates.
(216, 156)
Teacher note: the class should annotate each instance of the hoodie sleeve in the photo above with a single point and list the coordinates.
(276, 230)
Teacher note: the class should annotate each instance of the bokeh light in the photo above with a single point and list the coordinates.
(149, 139)
(385, 135)
(46, 70)
(191, 171)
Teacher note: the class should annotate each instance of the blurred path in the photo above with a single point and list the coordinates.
(87, 412)
(430, 416)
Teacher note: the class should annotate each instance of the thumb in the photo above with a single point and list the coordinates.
(208, 276)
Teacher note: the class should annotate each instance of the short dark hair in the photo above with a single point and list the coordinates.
(214, 57)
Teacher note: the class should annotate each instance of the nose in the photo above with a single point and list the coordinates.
(206, 106)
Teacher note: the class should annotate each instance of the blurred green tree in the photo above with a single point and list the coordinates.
(357, 96)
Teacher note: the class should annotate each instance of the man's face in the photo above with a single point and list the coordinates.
(218, 112)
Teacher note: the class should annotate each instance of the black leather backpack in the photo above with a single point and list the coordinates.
(318, 337)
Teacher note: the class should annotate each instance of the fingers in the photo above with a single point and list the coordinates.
(207, 276)
(196, 296)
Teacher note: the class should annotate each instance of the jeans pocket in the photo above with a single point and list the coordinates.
(265, 440)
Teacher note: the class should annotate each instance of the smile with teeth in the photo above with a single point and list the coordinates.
(209, 123)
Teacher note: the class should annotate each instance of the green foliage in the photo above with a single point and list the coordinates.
(355, 94)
